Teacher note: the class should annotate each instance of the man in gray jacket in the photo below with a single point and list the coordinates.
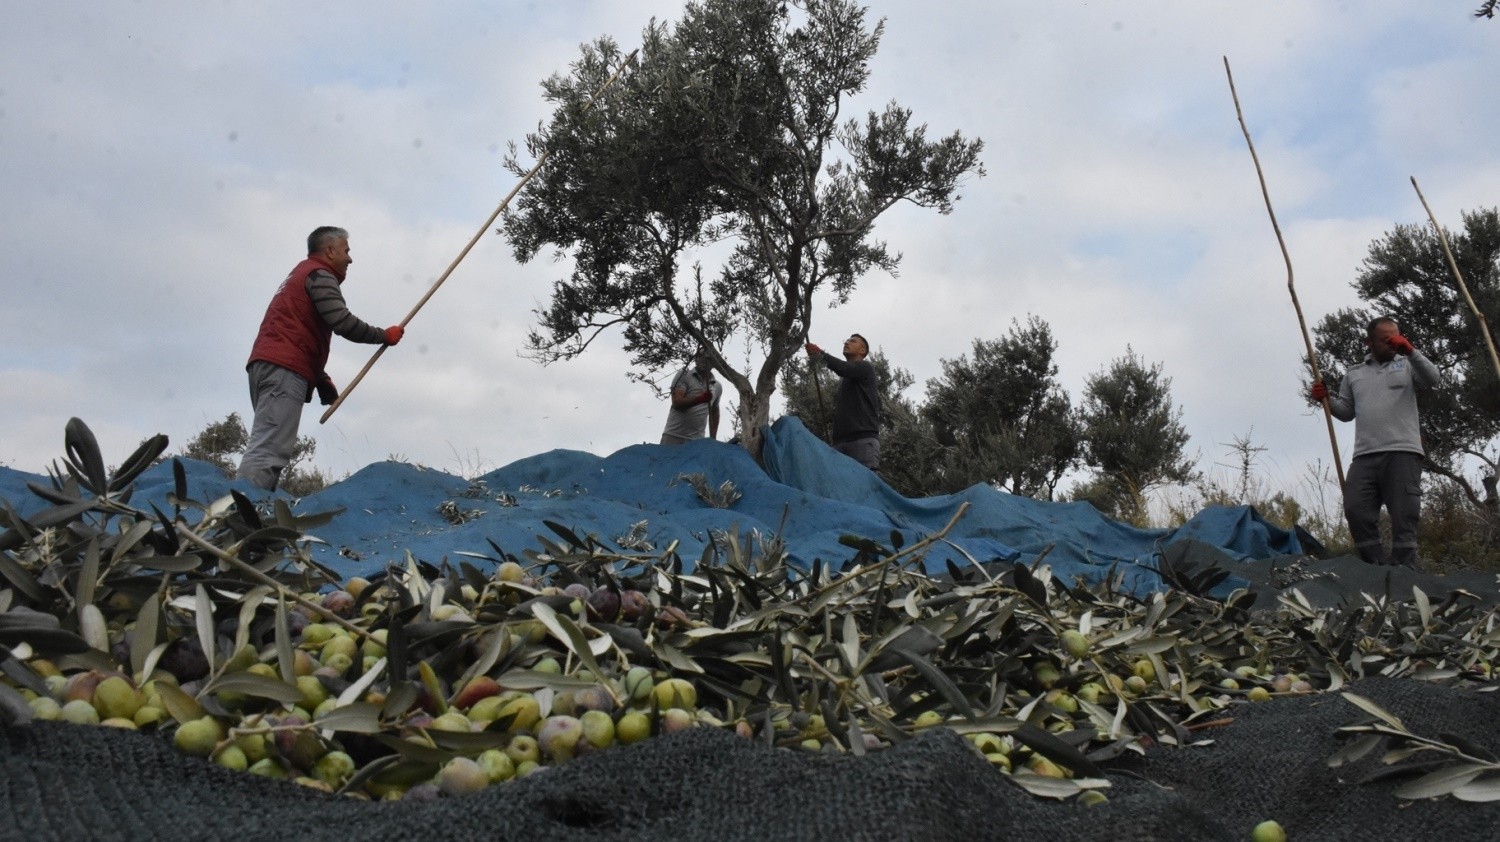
(1380, 396)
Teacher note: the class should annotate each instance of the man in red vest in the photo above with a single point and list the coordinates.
(286, 362)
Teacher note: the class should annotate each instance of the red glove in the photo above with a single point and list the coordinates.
(1319, 391)
(327, 392)
(1399, 344)
(812, 350)
(706, 397)
(393, 334)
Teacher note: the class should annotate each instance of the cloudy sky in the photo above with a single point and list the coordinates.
(163, 162)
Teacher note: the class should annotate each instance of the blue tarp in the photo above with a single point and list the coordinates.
(807, 493)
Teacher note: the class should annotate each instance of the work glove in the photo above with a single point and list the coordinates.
(812, 349)
(327, 392)
(393, 334)
(1319, 391)
(706, 397)
(1400, 345)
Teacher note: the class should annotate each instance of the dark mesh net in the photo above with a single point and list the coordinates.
(73, 783)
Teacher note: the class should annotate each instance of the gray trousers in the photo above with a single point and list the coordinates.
(864, 451)
(1392, 478)
(277, 395)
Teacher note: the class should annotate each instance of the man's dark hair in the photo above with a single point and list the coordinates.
(322, 236)
(1377, 322)
(862, 339)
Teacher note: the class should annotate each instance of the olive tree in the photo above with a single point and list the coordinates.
(716, 193)
(1003, 415)
(1133, 437)
(222, 443)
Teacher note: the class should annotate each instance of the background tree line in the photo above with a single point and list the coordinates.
(999, 416)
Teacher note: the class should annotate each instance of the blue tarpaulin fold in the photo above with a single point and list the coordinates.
(807, 493)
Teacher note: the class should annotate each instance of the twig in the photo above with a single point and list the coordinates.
(921, 545)
(263, 579)
(1210, 723)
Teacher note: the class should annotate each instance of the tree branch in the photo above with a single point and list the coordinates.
(1457, 479)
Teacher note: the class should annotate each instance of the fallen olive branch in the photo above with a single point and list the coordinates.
(1456, 774)
(886, 562)
(249, 570)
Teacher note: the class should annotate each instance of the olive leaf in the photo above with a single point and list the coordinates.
(1442, 782)
(1355, 750)
(260, 686)
(1487, 789)
(83, 458)
(145, 639)
(1373, 709)
(179, 705)
(568, 633)
(144, 457)
(357, 718)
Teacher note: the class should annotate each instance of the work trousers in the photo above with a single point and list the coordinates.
(277, 395)
(1394, 479)
(865, 451)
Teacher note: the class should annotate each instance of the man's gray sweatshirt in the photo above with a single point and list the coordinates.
(1383, 397)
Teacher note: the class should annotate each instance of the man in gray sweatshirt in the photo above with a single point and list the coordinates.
(695, 400)
(1380, 396)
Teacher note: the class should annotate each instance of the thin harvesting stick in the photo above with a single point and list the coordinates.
(1312, 357)
(812, 366)
(541, 159)
(1484, 325)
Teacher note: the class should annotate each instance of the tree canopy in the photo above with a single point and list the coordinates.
(725, 143)
(1132, 436)
(1004, 414)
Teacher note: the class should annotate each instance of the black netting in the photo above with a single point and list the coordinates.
(1269, 761)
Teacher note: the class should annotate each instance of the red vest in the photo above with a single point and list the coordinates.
(292, 334)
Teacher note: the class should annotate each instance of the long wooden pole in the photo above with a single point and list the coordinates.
(1484, 324)
(812, 369)
(812, 366)
(541, 159)
(1312, 356)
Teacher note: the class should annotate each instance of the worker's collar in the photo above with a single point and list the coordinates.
(323, 263)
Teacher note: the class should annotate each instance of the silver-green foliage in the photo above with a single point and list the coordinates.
(729, 134)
